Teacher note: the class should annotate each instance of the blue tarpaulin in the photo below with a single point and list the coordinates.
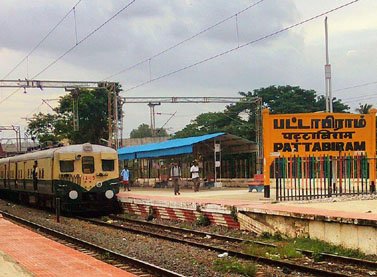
(166, 148)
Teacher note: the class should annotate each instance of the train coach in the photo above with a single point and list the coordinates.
(85, 177)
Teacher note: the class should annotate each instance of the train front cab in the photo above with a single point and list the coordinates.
(87, 181)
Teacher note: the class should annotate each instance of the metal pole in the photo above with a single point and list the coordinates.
(110, 121)
(121, 125)
(214, 160)
(116, 120)
(329, 106)
(57, 204)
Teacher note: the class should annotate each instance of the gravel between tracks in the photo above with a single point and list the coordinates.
(184, 259)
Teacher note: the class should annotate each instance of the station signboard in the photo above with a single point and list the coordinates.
(317, 134)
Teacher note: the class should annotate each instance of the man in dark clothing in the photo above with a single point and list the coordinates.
(176, 174)
(35, 175)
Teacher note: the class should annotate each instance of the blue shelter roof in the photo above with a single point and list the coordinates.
(166, 148)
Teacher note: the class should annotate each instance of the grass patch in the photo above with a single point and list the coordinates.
(315, 245)
(319, 246)
(231, 265)
(283, 251)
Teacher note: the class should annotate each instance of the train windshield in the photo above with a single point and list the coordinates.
(108, 165)
(87, 165)
(67, 166)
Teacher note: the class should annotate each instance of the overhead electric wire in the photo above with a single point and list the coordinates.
(356, 86)
(183, 41)
(42, 40)
(73, 47)
(84, 39)
(241, 46)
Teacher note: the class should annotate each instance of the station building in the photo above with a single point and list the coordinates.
(224, 160)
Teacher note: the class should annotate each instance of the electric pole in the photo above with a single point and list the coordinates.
(329, 106)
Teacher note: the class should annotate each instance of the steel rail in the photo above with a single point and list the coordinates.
(188, 231)
(309, 253)
(129, 260)
(260, 259)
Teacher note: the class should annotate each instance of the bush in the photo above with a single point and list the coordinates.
(203, 220)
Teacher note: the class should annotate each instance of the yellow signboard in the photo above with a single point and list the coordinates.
(318, 134)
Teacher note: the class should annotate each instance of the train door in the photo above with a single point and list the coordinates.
(12, 176)
(24, 174)
(16, 176)
(5, 175)
(2, 175)
(88, 170)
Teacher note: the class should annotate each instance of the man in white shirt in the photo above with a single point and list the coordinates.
(125, 178)
(195, 175)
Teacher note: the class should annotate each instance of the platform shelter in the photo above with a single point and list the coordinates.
(223, 158)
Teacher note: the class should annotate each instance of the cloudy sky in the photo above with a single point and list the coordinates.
(147, 27)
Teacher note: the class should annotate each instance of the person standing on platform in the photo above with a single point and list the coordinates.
(175, 174)
(125, 178)
(195, 175)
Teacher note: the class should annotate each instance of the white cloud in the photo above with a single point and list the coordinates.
(295, 57)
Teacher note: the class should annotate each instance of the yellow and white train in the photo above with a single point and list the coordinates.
(85, 177)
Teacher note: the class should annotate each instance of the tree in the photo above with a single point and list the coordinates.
(289, 99)
(42, 128)
(279, 100)
(144, 131)
(364, 109)
(93, 119)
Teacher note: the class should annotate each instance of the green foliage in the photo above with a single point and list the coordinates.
(319, 246)
(231, 265)
(233, 213)
(364, 109)
(282, 251)
(239, 119)
(287, 247)
(293, 99)
(265, 236)
(105, 218)
(42, 127)
(144, 131)
(203, 220)
(93, 119)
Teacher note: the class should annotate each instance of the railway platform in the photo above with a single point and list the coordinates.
(351, 223)
(25, 253)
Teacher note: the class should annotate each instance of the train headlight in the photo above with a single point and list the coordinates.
(99, 184)
(73, 194)
(109, 194)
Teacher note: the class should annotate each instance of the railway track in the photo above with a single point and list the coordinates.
(132, 265)
(324, 256)
(189, 240)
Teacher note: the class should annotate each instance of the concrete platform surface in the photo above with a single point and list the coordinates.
(10, 267)
(204, 195)
(357, 206)
(44, 257)
(253, 201)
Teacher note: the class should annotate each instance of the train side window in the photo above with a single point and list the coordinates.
(87, 165)
(108, 165)
(67, 166)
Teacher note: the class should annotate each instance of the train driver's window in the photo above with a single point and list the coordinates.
(67, 166)
(87, 165)
(108, 165)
